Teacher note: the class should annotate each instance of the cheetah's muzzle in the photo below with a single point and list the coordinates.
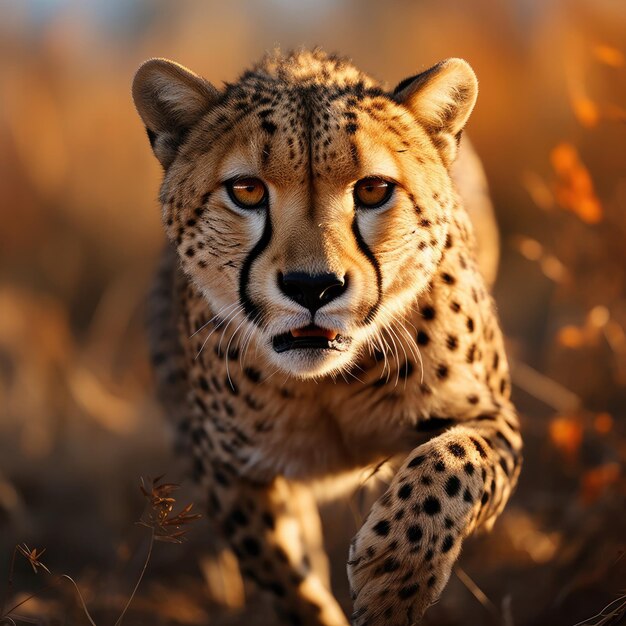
(312, 338)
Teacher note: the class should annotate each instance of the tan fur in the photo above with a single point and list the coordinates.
(424, 378)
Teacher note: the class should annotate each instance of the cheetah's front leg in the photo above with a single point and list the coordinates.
(402, 557)
(275, 531)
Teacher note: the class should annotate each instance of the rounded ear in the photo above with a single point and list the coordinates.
(441, 99)
(170, 99)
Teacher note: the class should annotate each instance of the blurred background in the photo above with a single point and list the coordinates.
(80, 233)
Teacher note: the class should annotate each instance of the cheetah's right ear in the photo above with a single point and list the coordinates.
(441, 99)
(170, 99)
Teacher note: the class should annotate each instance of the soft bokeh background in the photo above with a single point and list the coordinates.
(80, 232)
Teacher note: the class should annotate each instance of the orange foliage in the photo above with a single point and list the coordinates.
(596, 481)
(609, 55)
(566, 434)
(571, 337)
(603, 423)
(573, 188)
(586, 111)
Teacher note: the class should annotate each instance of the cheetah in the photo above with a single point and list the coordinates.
(319, 310)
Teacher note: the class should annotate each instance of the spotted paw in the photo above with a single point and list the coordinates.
(401, 559)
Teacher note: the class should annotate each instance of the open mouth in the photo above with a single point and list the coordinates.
(312, 338)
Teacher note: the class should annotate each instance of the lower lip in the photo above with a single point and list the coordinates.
(286, 342)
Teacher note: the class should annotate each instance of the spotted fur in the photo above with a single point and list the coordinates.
(421, 376)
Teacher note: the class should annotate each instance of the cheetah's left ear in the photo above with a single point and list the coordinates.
(170, 100)
(441, 98)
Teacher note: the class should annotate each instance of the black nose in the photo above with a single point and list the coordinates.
(312, 291)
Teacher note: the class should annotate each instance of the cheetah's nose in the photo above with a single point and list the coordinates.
(311, 291)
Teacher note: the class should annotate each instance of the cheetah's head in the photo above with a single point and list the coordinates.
(309, 205)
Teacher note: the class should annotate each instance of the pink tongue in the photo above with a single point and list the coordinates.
(314, 331)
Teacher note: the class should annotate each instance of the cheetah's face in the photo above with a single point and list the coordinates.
(311, 208)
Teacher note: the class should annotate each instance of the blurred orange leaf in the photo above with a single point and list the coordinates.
(573, 188)
(586, 111)
(609, 55)
(566, 434)
(603, 423)
(571, 337)
(538, 190)
(596, 481)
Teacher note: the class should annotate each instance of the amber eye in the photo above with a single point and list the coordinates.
(372, 192)
(247, 193)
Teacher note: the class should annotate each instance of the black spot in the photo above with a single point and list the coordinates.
(448, 279)
(239, 517)
(416, 461)
(351, 128)
(452, 342)
(468, 468)
(473, 399)
(432, 506)
(277, 589)
(440, 466)
(382, 528)
(442, 371)
(414, 533)
(467, 496)
(428, 313)
(431, 581)
(471, 354)
(478, 447)
(429, 555)
(230, 384)
(448, 523)
(455, 306)
(426, 480)
(408, 592)
(404, 493)
(447, 544)
(453, 486)
(470, 324)
(406, 370)
(422, 338)
(251, 546)
(268, 520)
(399, 514)
(252, 374)
(391, 565)
(457, 450)
(221, 478)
